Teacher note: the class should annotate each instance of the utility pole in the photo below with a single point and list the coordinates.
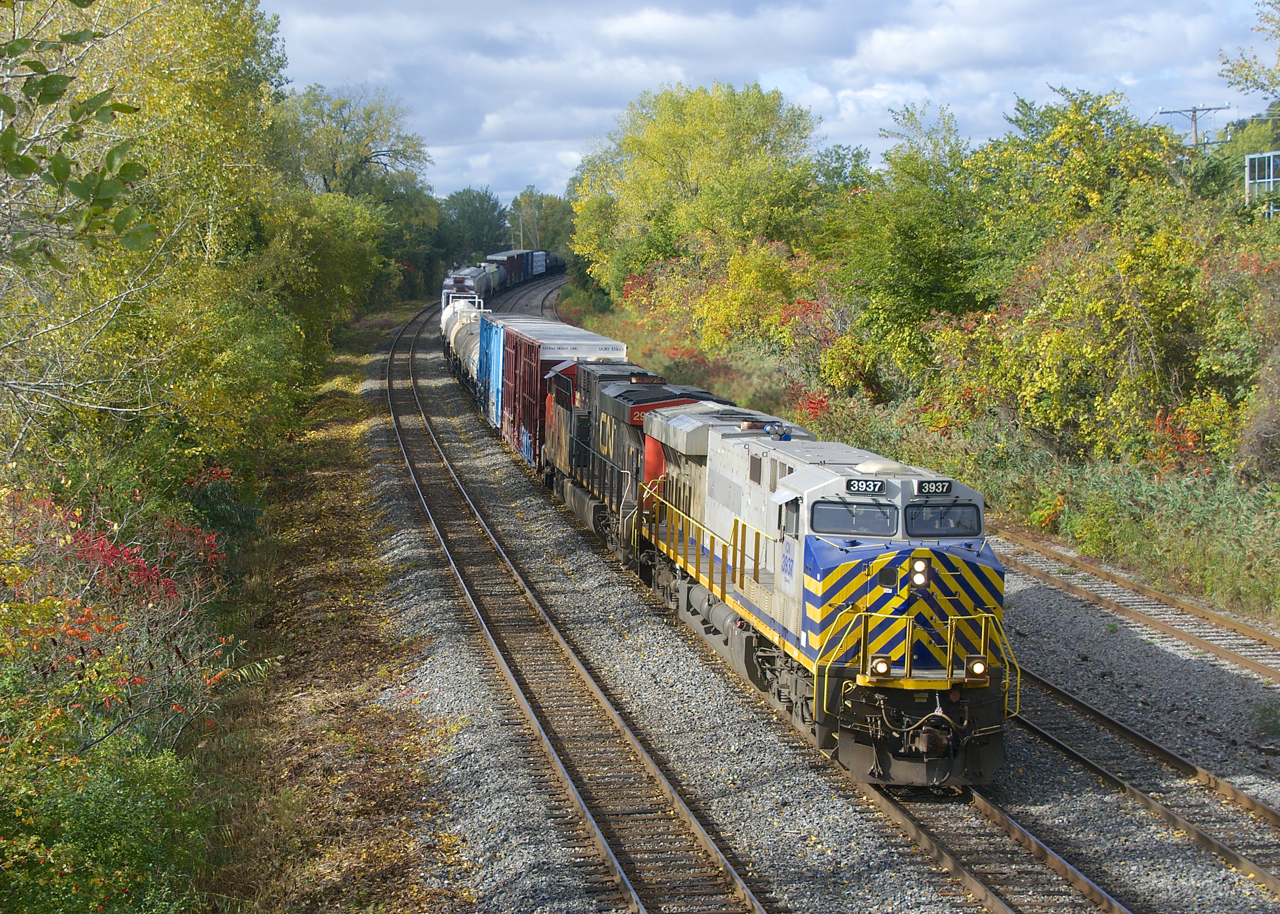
(1194, 112)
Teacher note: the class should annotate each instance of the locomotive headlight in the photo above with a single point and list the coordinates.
(975, 666)
(880, 665)
(920, 572)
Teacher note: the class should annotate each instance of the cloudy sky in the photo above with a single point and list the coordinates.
(509, 93)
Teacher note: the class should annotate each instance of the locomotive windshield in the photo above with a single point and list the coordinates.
(848, 518)
(930, 521)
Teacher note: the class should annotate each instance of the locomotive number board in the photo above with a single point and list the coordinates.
(933, 486)
(864, 486)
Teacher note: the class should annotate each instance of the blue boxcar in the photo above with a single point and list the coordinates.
(490, 370)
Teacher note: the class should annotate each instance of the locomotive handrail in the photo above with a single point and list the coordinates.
(680, 528)
(860, 620)
(613, 496)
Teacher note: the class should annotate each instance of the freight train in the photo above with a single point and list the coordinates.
(497, 272)
(857, 593)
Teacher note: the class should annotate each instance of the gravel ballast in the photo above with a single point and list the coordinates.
(1194, 703)
(816, 847)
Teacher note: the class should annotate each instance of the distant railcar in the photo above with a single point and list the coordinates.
(857, 593)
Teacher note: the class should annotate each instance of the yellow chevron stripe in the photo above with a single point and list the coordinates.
(828, 618)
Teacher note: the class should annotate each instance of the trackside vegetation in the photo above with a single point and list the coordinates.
(181, 235)
(1078, 317)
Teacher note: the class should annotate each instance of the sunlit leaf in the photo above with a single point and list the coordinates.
(90, 104)
(36, 66)
(108, 190)
(80, 190)
(60, 167)
(139, 238)
(115, 157)
(7, 105)
(131, 172)
(52, 88)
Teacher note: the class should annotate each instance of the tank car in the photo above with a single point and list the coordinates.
(857, 593)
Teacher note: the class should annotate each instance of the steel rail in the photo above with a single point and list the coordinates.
(948, 859)
(1129, 612)
(1164, 753)
(631, 897)
(936, 848)
(1042, 851)
(1208, 615)
(1224, 788)
(702, 837)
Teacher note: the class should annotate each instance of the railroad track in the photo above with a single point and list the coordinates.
(534, 297)
(995, 860)
(1240, 829)
(1223, 637)
(999, 861)
(655, 850)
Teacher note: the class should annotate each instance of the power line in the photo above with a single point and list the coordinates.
(1193, 112)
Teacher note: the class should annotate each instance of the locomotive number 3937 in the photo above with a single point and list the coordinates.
(864, 486)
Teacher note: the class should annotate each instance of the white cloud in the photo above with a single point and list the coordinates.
(510, 97)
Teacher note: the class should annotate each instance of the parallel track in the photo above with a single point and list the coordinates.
(1213, 633)
(1240, 829)
(660, 856)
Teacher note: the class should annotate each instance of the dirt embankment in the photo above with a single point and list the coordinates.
(329, 803)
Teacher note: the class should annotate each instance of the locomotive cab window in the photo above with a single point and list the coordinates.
(844, 518)
(791, 517)
(931, 521)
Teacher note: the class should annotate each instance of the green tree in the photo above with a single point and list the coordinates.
(728, 162)
(1063, 164)
(412, 238)
(1245, 71)
(474, 225)
(544, 221)
(341, 142)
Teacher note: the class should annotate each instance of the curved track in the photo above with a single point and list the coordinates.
(1240, 829)
(1226, 638)
(656, 851)
(535, 297)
